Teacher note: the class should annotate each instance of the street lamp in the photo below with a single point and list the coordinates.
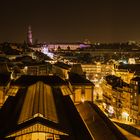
(82, 98)
(111, 110)
(125, 115)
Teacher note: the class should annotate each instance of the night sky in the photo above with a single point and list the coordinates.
(70, 20)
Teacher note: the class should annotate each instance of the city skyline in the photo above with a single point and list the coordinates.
(70, 21)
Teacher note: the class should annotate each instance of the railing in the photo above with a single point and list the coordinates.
(129, 128)
(108, 122)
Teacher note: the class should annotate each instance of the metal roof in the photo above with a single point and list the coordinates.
(39, 101)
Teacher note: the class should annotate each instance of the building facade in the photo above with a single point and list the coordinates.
(116, 98)
(135, 99)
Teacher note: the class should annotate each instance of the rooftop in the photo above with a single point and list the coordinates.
(115, 81)
(62, 65)
(136, 79)
(26, 80)
(76, 68)
(130, 67)
(38, 100)
(41, 108)
(76, 79)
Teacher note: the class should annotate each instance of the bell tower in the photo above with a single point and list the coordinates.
(29, 36)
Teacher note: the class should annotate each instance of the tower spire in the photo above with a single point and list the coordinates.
(29, 36)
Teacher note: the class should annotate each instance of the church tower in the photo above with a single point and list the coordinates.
(29, 36)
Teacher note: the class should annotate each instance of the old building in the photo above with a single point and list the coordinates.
(127, 71)
(135, 99)
(38, 69)
(61, 69)
(116, 97)
(95, 71)
(81, 87)
(41, 111)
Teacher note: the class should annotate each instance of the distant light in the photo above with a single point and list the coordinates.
(84, 45)
(25, 69)
(96, 75)
(82, 99)
(104, 105)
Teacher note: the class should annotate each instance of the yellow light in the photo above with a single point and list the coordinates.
(111, 110)
(125, 114)
(104, 105)
(83, 100)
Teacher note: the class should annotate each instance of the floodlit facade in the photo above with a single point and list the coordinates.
(116, 94)
(135, 100)
(95, 71)
(64, 46)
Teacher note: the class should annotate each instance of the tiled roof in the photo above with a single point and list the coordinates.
(26, 80)
(130, 67)
(115, 81)
(76, 79)
(76, 68)
(136, 79)
(62, 65)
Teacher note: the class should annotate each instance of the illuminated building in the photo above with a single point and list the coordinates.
(124, 98)
(65, 46)
(131, 61)
(107, 92)
(95, 71)
(127, 71)
(61, 69)
(81, 87)
(38, 69)
(57, 47)
(135, 99)
(41, 110)
(116, 93)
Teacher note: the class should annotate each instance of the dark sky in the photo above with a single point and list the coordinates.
(70, 20)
